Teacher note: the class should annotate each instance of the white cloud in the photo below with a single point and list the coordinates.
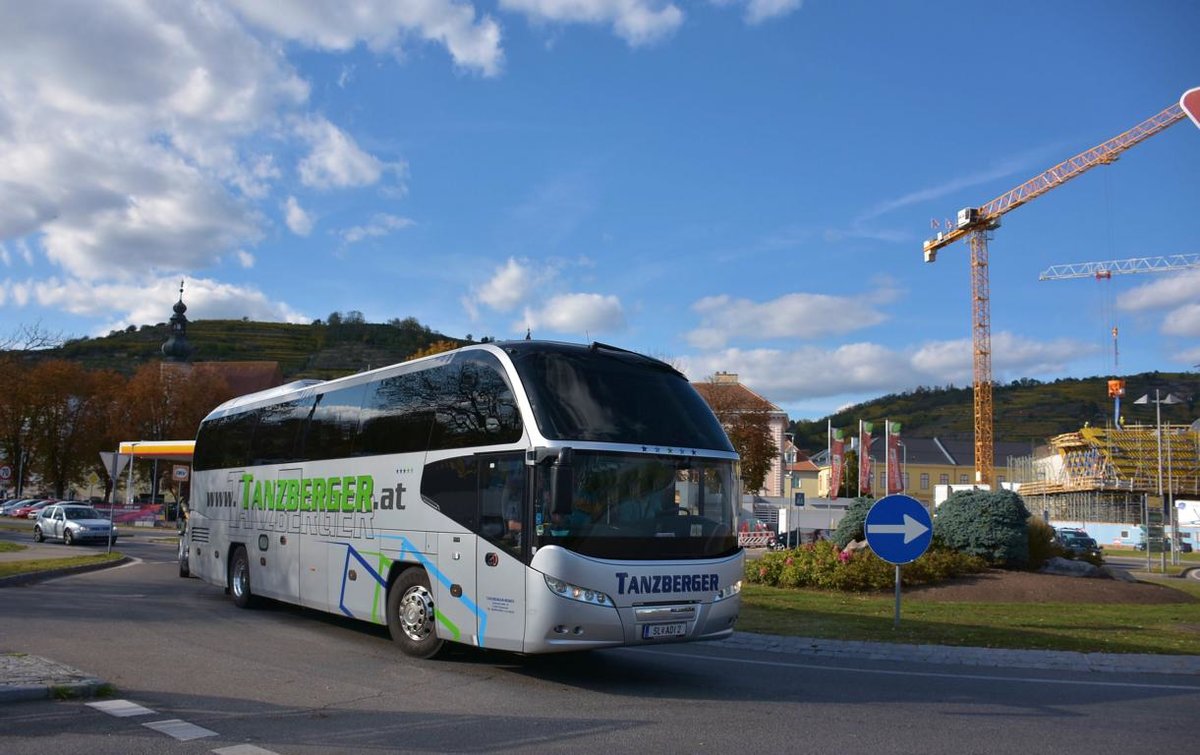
(799, 315)
(299, 221)
(380, 225)
(1184, 321)
(335, 160)
(473, 42)
(758, 11)
(147, 300)
(245, 259)
(1164, 292)
(1189, 357)
(576, 314)
(510, 286)
(638, 22)
(813, 372)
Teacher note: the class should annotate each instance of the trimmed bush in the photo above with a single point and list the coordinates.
(988, 524)
(1042, 547)
(850, 528)
(822, 565)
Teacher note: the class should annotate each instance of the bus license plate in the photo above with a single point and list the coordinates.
(654, 631)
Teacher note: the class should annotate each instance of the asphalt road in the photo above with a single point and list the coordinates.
(286, 680)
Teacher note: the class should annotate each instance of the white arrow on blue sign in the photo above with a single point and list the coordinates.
(898, 529)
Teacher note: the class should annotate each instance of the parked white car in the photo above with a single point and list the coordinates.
(72, 523)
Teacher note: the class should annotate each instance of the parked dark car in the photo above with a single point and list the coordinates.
(1079, 543)
(1166, 545)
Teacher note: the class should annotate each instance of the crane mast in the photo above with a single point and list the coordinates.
(976, 223)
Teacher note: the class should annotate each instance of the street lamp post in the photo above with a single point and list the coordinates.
(1167, 510)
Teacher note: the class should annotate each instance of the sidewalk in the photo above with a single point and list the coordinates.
(31, 677)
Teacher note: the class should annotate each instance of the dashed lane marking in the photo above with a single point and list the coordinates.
(121, 708)
(244, 750)
(180, 729)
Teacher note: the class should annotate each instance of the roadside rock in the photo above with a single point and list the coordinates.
(1068, 568)
(1119, 574)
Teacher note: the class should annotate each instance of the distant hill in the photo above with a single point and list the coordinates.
(320, 350)
(1025, 410)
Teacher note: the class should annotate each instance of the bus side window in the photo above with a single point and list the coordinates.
(450, 486)
(502, 500)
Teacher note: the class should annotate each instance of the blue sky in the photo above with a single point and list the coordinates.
(729, 185)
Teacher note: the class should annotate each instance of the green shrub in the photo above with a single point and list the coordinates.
(822, 565)
(988, 524)
(850, 528)
(1042, 547)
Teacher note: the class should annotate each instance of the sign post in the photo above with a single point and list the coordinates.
(899, 530)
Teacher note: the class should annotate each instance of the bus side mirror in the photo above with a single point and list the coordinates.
(562, 482)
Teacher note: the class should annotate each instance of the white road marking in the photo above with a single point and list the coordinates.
(180, 729)
(121, 708)
(244, 750)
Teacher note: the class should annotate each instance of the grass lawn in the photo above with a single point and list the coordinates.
(13, 568)
(7, 547)
(1108, 628)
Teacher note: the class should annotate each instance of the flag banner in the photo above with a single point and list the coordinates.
(864, 458)
(837, 454)
(895, 482)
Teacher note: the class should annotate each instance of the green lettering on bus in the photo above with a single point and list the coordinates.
(366, 493)
(306, 491)
(334, 501)
(246, 480)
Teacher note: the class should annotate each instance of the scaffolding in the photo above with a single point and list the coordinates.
(1103, 473)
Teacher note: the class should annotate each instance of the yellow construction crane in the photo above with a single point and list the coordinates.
(1103, 271)
(976, 222)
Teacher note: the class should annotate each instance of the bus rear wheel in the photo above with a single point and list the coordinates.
(239, 579)
(184, 569)
(411, 616)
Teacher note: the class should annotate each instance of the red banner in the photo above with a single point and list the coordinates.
(864, 457)
(837, 455)
(895, 482)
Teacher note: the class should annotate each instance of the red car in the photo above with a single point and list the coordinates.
(30, 510)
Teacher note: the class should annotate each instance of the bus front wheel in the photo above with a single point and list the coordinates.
(239, 579)
(411, 617)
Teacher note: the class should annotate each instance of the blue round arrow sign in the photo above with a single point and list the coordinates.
(898, 529)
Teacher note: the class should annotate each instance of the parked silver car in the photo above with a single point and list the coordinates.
(72, 523)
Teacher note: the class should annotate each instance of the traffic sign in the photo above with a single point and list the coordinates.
(898, 529)
(1190, 102)
(5, 472)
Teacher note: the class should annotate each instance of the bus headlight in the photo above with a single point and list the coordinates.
(575, 592)
(728, 591)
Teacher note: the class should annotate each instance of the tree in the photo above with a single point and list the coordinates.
(747, 421)
(849, 485)
(15, 416)
(437, 347)
(162, 403)
(70, 406)
(31, 338)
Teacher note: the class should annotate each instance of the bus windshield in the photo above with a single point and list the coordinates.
(627, 506)
(605, 395)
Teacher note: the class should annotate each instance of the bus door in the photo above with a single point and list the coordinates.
(279, 577)
(454, 587)
(503, 529)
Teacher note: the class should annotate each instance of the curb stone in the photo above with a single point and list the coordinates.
(1063, 660)
(28, 578)
(31, 677)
